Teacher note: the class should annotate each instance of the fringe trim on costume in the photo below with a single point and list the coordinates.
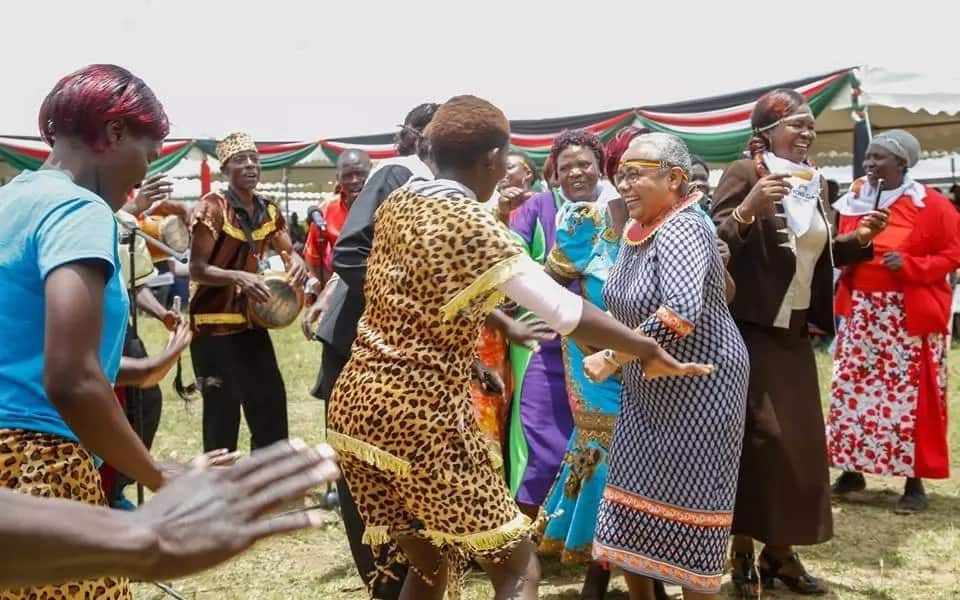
(494, 276)
(377, 535)
(485, 540)
(495, 453)
(369, 454)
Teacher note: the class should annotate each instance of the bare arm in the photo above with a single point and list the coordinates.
(295, 265)
(318, 308)
(46, 541)
(149, 371)
(568, 314)
(201, 271)
(202, 519)
(154, 189)
(204, 273)
(857, 246)
(73, 376)
(149, 304)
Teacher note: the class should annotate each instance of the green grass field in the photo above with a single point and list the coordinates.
(875, 554)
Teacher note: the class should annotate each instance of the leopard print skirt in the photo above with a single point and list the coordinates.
(49, 466)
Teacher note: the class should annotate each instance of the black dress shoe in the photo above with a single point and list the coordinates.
(909, 504)
(804, 584)
(847, 483)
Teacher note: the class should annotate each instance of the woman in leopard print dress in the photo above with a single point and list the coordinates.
(401, 415)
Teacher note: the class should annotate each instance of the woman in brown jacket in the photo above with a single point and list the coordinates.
(770, 210)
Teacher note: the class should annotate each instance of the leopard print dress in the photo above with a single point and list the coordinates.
(49, 466)
(401, 415)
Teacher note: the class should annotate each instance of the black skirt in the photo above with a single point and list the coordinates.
(783, 491)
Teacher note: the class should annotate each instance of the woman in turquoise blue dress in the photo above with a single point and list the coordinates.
(587, 242)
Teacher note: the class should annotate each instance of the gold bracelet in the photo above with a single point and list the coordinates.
(740, 219)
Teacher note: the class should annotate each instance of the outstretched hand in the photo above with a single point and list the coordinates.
(206, 516)
(662, 364)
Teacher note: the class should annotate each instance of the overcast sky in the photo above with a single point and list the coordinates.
(299, 69)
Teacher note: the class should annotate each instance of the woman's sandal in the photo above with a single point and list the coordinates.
(746, 580)
(804, 584)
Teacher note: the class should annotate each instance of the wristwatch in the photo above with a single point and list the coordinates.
(611, 357)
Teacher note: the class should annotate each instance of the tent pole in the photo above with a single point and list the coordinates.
(286, 193)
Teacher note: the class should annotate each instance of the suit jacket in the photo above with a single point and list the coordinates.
(338, 326)
(762, 267)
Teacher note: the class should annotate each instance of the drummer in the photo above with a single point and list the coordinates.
(233, 360)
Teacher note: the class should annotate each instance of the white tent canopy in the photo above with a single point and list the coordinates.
(925, 103)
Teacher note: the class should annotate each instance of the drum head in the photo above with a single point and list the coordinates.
(174, 233)
(282, 308)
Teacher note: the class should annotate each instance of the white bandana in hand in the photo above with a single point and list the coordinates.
(800, 204)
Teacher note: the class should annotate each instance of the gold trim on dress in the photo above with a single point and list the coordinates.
(593, 427)
(568, 556)
(368, 453)
(485, 540)
(494, 276)
(258, 234)
(673, 321)
(560, 264)
(696, 518)
(219, 319)
(594, 421)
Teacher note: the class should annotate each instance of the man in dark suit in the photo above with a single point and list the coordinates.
(341, 304)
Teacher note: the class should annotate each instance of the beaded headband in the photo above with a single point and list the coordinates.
(661, 165)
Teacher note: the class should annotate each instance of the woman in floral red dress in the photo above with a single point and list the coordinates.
(888, 409)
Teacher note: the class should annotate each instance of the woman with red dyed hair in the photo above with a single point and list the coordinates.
(770, 210)
(64, 309)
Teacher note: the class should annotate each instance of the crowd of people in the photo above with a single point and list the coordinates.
(599, 357)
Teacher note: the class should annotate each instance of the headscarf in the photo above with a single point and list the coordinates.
(234, 144)
(900, 143)
(862, 195)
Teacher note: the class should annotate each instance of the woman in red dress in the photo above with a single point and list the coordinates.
(888, 408)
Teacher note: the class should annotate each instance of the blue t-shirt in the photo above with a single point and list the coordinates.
(49, 221)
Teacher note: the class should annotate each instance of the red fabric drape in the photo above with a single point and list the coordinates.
(204, 178)
(932, 455)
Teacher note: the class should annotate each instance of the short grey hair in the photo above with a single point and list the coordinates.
(668, 149)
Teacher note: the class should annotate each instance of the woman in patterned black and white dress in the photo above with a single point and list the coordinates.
(668, 503)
